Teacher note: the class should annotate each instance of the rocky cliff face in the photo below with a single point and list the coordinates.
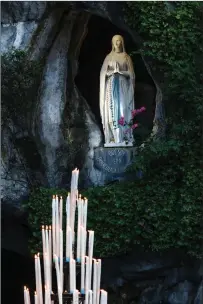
(63, 129)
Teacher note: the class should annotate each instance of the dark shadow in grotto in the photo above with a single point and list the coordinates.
(96, 46)
(33, 162)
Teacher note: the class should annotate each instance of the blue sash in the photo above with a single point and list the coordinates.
(115, 97)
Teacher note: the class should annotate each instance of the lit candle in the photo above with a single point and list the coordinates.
(98, 279)
(61, 213)
(82, 274)
(25, 295)
(58, 279)
(79, 231)
(61, 259)
(90, 297)
(104, 296)
(28, 296)
(40, 294)
(36, 300)
(44, 251)
(74, 274)
(46, 295)
(95, 282)
(73, 180)
(68, 210)
(87, 277)
(47, 246)
(54, 224)
(72, 208)
(57, 227)
(83, 245)
(85, 213)
(36, 275)
(72, 271)
(75, 296)
(70, 276)
(90, 254)
(46, 270)
(50, 256)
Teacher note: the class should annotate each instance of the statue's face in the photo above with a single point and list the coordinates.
(117, 43)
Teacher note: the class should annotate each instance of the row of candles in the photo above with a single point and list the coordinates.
(53, 253)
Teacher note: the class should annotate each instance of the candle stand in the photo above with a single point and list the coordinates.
(68, 297)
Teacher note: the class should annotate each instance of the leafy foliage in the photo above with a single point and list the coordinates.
(173, 39)
(164, 209)
(20, 80)
(127, 214)
(39, 208)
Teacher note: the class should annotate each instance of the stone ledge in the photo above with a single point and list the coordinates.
(113, 161)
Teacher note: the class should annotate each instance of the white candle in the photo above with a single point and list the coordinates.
(50, 257)
(75, 296)
(90, 254)
(36, 275)
(90, 297)
(77, 177)
(36, 299)
(98, 279)
(61, 213)
(46, 295)
(61, 259)
(73, 179)
(95, 282)
(57, 227)
(25, 295)
(54, 224)
(40, 295)
(69, 251)
(83, 241)
(74, 274)
(79, 230)
(44, 252)
(87, 277)
(46, 270)
(47, 246)
(68, 210)
(58, 279)
(28, 296)
(104, 296)
(83, 275)
(70, 275)
(72, 207)
(85, 213)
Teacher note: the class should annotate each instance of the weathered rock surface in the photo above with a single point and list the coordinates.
(55, 32)
(147, 278)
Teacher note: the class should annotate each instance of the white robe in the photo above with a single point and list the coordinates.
(116, 97)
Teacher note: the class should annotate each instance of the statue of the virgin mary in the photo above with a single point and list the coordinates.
(117, 81)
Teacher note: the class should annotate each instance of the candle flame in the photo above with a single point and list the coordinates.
(46, 227)
(53, 196)
(25, 288)
(35, 293)
(35, 256)
(42, 226)
(38, 254)
(49, 227)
